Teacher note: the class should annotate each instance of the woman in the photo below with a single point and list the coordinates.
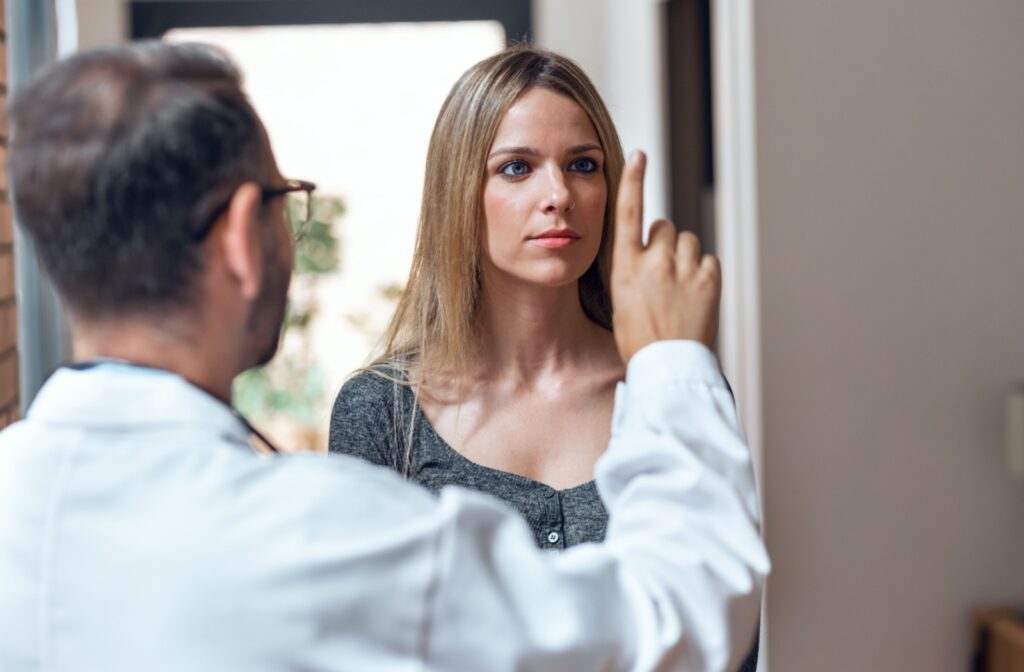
(499, 368)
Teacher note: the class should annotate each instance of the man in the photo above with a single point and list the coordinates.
(140, 531)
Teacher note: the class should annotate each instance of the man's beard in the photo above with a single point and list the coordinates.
(267, 316)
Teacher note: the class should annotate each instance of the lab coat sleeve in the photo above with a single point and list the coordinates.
(675, 586)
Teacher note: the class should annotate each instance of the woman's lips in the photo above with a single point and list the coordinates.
(555, 242)
(556, 238)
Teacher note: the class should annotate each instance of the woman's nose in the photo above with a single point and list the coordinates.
(558, 199)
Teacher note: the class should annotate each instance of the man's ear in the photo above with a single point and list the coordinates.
(241, 241)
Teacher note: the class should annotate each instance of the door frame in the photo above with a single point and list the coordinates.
(736, 210)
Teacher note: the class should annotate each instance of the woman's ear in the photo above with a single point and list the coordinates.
(240, 242)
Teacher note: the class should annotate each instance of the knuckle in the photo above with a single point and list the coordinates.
(666, 259)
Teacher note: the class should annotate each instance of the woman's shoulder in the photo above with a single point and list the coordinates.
(374, 383)
(368, 412)
(378, 393)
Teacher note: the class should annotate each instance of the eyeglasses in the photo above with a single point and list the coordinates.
(299, 207)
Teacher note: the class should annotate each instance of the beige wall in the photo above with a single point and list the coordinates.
(891, 169)
(101, 22)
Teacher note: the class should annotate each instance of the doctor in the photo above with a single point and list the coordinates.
(140, 531)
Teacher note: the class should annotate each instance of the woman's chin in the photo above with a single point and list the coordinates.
(550, 273)
(554, 280)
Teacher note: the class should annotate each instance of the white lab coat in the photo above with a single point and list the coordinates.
(139, 531)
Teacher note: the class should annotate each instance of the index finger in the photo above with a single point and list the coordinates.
(629, 207)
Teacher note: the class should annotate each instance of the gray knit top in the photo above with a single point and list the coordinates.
(371, 420)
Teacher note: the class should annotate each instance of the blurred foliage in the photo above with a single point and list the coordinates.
(392, 292)
(291, 386)
(284, 387)
(316, 253)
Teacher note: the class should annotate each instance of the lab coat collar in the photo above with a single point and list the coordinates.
(116, 396)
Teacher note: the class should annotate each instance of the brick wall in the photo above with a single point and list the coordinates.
(8, 309)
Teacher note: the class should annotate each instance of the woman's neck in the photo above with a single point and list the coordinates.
(528, 332)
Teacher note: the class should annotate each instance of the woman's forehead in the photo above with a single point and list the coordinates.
(541, 115)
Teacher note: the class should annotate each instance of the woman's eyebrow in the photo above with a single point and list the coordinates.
(530, 151)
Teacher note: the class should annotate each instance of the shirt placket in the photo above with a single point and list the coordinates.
(553, 535)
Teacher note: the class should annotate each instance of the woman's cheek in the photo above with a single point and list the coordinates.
(503, 219)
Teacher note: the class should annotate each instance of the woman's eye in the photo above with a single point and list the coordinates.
(583, 165)
(514, 169)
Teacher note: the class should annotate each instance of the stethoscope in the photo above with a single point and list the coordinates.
(93, 363)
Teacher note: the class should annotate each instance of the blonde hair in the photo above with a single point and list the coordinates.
(434, 324)
(433, 328)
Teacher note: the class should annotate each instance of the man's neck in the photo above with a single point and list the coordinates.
(174, 345)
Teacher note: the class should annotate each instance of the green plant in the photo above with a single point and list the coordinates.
(290, 389)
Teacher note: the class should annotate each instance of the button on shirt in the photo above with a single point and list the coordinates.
(139, 531)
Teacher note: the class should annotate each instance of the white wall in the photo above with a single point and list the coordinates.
(619, 43)
(891, 170)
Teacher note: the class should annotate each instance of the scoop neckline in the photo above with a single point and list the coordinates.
(421, 416)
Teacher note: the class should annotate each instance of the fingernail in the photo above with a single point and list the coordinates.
(635, 157)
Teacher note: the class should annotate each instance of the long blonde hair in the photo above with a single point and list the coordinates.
(434, 323)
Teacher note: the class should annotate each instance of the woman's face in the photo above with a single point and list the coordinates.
(545, 192)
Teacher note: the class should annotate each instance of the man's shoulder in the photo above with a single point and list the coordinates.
(16, 443)
(12, 433)
(195, 530)
(326, 484)
(170, 461)
(325, 473)
(327, 503)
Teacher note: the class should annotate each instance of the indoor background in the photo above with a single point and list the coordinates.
(859, 167)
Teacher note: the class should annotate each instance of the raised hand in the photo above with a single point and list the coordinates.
(666, 290)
